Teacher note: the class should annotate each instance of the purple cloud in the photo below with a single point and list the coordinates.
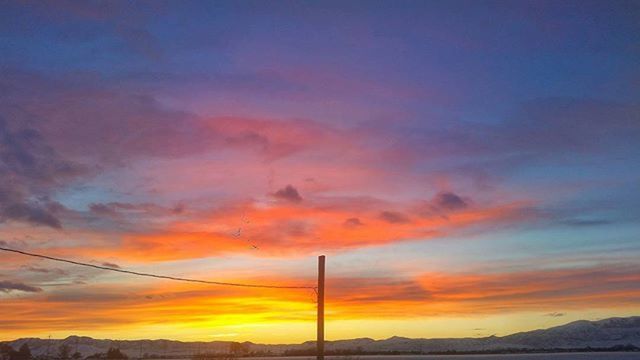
(44, 270)
(449, 201)
(34, 214)
(114, 209)
(288, 193)
(29, 171)
(102, 209)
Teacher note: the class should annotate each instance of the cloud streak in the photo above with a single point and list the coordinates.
(427, 295)
(9, 286)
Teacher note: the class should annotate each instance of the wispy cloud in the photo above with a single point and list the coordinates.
(9, 286)
(110, 265)
(555, 314)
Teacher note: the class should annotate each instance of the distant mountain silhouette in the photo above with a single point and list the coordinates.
(579, 334)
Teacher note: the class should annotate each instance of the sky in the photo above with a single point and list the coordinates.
(469, 168)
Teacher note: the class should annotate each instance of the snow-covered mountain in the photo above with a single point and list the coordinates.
(579, 334)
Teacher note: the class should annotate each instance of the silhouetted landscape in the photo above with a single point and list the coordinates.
(610, 335)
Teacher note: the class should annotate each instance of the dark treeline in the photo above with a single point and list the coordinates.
(62, 353)
(239, 350)
(9, 353)
(236, 350)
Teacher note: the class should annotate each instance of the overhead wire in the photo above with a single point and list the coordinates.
(174, 278)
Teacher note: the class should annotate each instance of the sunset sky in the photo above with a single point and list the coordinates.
(468, 167)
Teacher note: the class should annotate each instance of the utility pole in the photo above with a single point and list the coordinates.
(320, 337)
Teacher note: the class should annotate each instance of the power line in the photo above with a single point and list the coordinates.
(154, 275)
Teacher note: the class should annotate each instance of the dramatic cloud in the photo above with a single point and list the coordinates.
(430, 295)
(285, 229)
(60, 107)
(153, 136)
(8, 286)
(30, 170)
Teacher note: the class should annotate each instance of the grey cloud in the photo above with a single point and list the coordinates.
(111, 265)
(29, 170)
(8, 286)
(449, 201)
(44, 270)
(586, 222)
(443, 203)
(555, 314)
(117, 208)
(31, 213)
(102, 209)
(352, 223)
(288, 193)
(15, 243)
(394, 217)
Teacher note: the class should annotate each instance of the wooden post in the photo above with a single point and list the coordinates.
(320, 338)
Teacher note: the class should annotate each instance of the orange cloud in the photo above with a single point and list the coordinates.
(114, 306)
(440, 294)
(289, 229)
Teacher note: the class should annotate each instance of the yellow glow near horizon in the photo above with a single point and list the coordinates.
(250, 328)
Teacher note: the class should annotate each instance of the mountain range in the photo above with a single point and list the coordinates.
(579, 334)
